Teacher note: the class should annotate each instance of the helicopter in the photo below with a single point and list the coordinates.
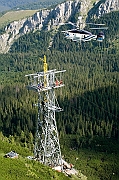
(78, 34)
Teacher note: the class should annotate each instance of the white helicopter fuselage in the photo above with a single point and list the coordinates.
(79, 35)
(72, 35)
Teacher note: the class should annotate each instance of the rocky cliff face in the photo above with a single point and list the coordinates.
(48, 18)
(102, 7)
(107, 6)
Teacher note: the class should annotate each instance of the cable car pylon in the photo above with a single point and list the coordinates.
(47, 147)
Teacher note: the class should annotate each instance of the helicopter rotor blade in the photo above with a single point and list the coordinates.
(73, 24)
(59, 24)
(100, 28)
(96, 24)
(64, 23)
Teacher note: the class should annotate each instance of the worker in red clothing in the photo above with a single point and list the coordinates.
(71, 166)
(56, 82)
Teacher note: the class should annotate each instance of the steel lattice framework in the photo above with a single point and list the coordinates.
(47, 147)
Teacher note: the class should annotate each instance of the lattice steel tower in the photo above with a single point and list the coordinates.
(47, 147)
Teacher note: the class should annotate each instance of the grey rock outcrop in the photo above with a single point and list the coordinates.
(102, 7)
(11, 33)
(108, 6)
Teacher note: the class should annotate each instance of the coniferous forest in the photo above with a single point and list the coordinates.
(89, 124)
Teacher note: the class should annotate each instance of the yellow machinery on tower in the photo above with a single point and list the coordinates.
(45, 68)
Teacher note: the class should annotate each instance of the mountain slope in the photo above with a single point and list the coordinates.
(23, 168)
(89, 125)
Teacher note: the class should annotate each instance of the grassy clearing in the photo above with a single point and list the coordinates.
(94, 165)
(14, 16)
(22, 168)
